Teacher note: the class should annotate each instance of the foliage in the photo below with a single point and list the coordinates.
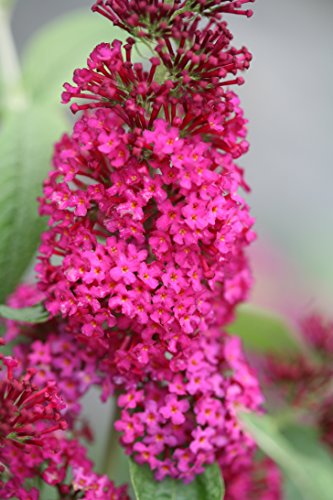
(34, 314)
(27, 136)
(26, 140)
(306, 463)
(263, 331)
(207, 486)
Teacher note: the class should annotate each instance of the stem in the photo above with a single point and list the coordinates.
(115, 464)
(112, 444)
(13, 95)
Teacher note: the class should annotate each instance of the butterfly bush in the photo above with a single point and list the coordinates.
(143, 262)
(144, 255)
(33, 443)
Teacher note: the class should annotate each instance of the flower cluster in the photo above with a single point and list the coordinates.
(27, 412)
(133, 237)
(155, 19)
(33, 442)
(259, 480)
(198, 58)
(318, 333)
(183, 415)
(68, 361)
(148, 229)
(187, 81)
(144, 259)
(54, 353)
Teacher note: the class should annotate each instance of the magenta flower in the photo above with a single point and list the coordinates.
(188, 403)
(29, 417)
(124, 270)
(130, 399)
(175, 409)
(202, 439)
(131, 426)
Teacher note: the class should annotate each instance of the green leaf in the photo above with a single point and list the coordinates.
(26, 140)
(305, 440)
(60, 47)
(207, 486)
(46, 491)
(263, 331)
(307, 466)
(33, 314)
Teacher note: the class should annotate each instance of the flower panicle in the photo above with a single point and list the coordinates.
(33, 442)
(197, 64)
(150, 19)
(28, 413)
(144, 262)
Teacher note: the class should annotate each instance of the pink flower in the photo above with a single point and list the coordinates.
(124, 270)
(108, 142)
(173, 278)
(122, 300)
(146, 454)
(165, 139)
(130, 426)
(209, 411)
(175, 409)
(202, 439)
(148, 274)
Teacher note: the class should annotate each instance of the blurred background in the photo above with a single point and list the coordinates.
(288, 101)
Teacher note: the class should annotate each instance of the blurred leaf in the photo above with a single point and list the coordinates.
(26, 140)
(6, 350)
(290, 491)
(307, 466)
(48, 492)
(305, 440)
(63, 45)
(207, 486)
(263, 331)
(33, 314)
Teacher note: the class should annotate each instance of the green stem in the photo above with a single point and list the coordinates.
(111, 449)
(13, 96)
(115, 464)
